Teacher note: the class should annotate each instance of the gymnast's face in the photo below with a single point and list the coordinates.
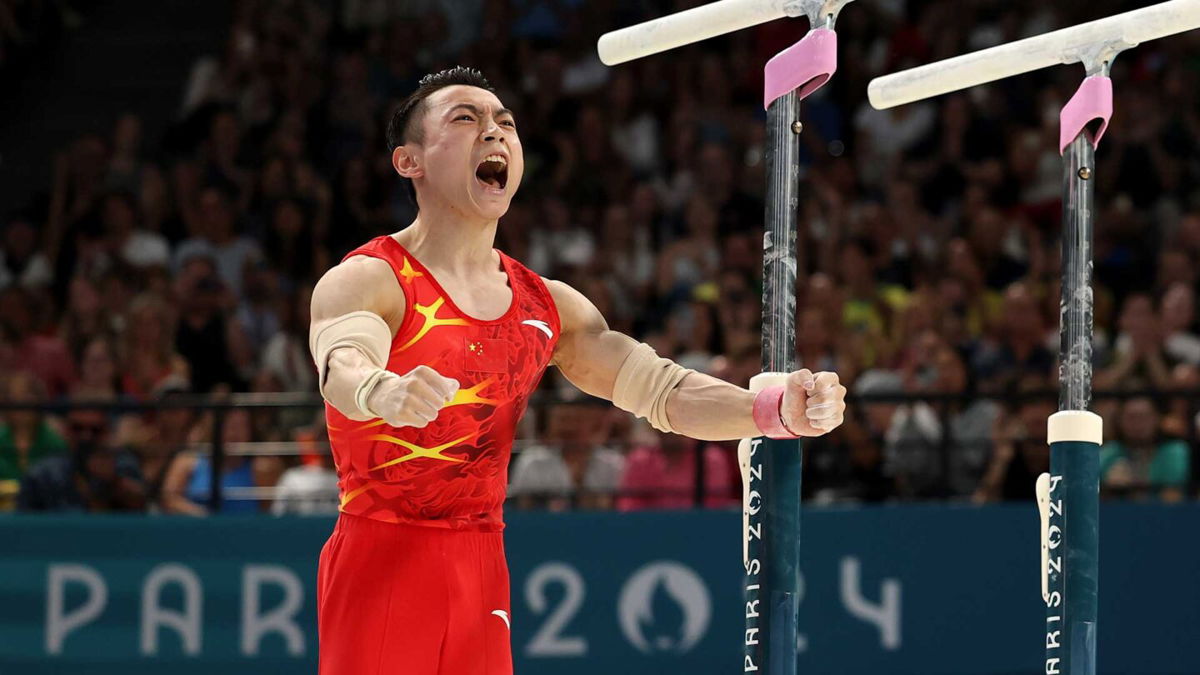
(468, 156)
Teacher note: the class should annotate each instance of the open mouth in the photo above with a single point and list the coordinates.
(493, 172)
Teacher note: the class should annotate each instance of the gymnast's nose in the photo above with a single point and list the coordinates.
(493, 133)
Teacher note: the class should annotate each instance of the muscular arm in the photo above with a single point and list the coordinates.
(590, 355)
(361, 283)
(364, 284)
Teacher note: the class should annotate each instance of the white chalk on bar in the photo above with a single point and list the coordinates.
(1066, 45)
(686, 27)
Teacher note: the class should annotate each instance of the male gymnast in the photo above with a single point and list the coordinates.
(429, 343)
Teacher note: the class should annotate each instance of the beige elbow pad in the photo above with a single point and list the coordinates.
(643, 384)
(365, 331)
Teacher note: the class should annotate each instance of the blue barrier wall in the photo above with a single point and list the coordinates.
(912, 589)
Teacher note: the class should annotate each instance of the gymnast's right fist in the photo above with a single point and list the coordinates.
(412, 400)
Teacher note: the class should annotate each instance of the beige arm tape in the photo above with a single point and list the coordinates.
(365, 331)
(643, 384)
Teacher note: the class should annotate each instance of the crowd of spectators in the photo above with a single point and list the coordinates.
(928, 260)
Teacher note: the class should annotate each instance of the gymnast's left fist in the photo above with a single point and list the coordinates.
(813, 405)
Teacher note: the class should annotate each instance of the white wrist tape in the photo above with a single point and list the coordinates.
(365, 331)
(643, 384)
(364, 389)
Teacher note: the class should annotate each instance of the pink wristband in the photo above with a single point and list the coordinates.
(768, 415)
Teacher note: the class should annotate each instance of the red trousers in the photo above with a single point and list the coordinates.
(396, 599)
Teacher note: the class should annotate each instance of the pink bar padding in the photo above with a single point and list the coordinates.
(768, 416)
(806, 66)
(1093, 101)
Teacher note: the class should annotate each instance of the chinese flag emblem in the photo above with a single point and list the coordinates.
(484, 355)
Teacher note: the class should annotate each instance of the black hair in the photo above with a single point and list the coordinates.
(401, 129)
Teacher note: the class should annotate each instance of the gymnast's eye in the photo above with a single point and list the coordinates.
(464, 116)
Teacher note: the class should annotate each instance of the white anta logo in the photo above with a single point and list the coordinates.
(540, 325)
(664, 607)
(503, 615)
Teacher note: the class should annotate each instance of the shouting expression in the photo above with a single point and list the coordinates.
(468, 157)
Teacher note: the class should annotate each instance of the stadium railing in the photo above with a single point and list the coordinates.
(940, 404)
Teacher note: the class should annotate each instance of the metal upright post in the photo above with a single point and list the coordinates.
(773, 533)
(1075, 305)
(1070, 494)
(772, 468)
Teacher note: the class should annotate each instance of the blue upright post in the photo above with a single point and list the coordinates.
(1069, 496)
(771, 468)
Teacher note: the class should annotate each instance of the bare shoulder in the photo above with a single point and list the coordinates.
(561, 292)
(587, 353)
(575, 311)
(359, 283)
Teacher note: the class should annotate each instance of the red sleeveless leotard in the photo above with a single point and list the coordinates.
(453, 472)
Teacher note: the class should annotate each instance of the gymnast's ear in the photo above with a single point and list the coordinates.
(406, 162)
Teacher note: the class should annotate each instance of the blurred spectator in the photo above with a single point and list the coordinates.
(1178, 316)
(992, 242)
(26, 437)
(540, 478)
(1139, 352)
(158, 436)
(188, 483)
(816, 343)
(126, 162)
(662, 472)
(571, 465)
(148, 352)
(289, 241)
(692, 329)
(39, 351)
(926, 253)
(286, 355)
(1018, 348)
(22, 262)
(310, 488)
(98, 372)
(634, 128)
(561, 243)
(1139, 461)
(848, 466)
(885, 134)
(127, 241)
(692, 259)
(940, 369)
(911, 433)
(214, 236)
(258, 314)
(358, 208)
(1182, 420)
(94, 476)
(204, 336)
(272, 424)
(86, 319)
(632, 262)
(1020, 452)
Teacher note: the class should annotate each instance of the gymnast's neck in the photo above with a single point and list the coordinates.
(446, 240)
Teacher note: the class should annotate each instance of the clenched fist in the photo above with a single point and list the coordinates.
(412, 400)
(813, 405)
